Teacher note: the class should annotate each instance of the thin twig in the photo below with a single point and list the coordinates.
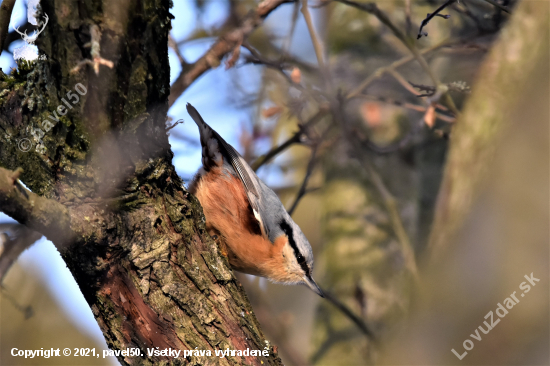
(173, 45)
(288, 41)
(391, 206)
(294, 139)
(494, 3)
(422, 61)
(95, 53)
(5, 15)
(347, 312)
(276, 151)
(371, 8)
(404, 83)
(257, 59)
(382, 70)
(428, 89)
(407, 105)
(389, 200)
(20, 238)
(463, 9)
(303, 187)
(401, 80)
(408, 23)
(317, 44)
(225, 44)
(311, 164)
(27, 311)
(431, 16)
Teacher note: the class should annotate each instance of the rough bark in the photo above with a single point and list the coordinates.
(104, 189)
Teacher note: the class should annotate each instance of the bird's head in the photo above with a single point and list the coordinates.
(293, 264)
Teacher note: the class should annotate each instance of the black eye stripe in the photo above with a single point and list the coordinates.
(287, 229)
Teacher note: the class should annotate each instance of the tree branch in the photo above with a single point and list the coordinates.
(317, 44)
(280, 66)
(41, 214)
(407, 105)
(294, 139)
(373, 9)
(223, 46)
(378, 73)
(431, 16)
(58, 223)
(303, 186)
(350, 314)
(288, 40)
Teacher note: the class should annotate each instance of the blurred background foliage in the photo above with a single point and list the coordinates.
(363, 169)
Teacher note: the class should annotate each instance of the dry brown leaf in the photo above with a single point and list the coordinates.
(234, 56)
(429, 117)
(296, 75)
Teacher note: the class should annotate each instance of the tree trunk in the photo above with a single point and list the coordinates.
(502, 82)
(105, 190)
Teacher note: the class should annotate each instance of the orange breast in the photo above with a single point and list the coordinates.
(228, 212)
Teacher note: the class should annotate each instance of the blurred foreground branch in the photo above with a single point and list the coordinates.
(472, 148)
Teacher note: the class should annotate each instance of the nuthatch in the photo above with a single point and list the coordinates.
(255, 231)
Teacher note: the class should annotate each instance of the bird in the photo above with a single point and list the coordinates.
(246, 218)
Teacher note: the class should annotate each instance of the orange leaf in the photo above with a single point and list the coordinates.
(429, 117)
(371, 113)
(296, 75)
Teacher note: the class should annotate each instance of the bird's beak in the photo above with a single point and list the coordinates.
(308, 281)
